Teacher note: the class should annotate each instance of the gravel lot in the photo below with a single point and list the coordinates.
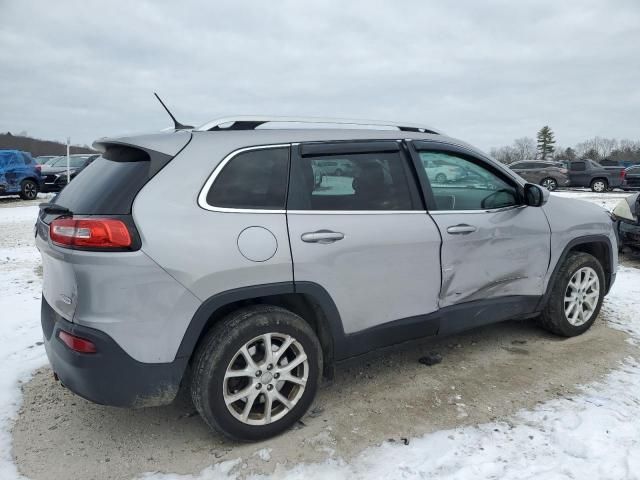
(487, 374)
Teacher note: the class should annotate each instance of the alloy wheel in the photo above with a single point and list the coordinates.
(30, 190)
(265, 379)
(550, 184)
(581, 296)
(599, 186)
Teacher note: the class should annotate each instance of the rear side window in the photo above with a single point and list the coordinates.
(578, 166)
(109, 185)
(364, 181)
(254, 179)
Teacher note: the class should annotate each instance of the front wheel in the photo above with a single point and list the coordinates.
(576, 296)
(28, 190)
(549, 183)
(256, 372)
(599, 185)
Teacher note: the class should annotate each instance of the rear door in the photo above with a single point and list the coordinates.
(579, 176)
(493, 247)
(365, 236)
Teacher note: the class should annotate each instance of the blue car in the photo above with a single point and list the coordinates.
(19, 174)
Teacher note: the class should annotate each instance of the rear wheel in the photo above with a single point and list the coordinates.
(549, 183)
(576, 296)
(256, 372)
(28, 190)
(599, 185)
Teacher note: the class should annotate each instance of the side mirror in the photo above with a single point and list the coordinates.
(535, 195)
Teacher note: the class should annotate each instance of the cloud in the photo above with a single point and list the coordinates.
(486, 72)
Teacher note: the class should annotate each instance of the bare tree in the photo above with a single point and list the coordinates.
(525, 148)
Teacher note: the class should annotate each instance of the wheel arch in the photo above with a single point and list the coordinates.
(308, 300)
(597, 245)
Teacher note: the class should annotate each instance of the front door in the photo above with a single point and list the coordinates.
(493, 246)
(364, 235)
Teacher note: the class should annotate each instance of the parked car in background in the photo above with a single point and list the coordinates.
(336, 168)
(587, 173)
(54, 172)
(42, 159)
(550, 175)
(211, 260)
(631, 178)
(19, 174)
(439, 168)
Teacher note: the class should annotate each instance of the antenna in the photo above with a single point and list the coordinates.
(176, 124)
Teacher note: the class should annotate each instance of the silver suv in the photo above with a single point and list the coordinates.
(210, 259)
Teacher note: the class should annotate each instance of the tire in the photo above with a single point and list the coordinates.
(554, 317)
(549, 183)
(222, 348)
(599, 185)
(441, 178)
(28, 190)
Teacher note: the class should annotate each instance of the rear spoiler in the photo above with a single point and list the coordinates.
(168, 143)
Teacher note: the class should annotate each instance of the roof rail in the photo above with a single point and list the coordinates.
(247, 122)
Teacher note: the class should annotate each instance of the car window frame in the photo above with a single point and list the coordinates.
(343, 148)
(202, 196)
(414, 147)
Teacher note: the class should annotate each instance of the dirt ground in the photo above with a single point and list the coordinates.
(486, 374)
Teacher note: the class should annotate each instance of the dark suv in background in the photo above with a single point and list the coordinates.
(631, 178)
(54, 172)
(550, 175)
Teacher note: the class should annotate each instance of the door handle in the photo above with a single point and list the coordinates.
(463, 228)
(322, 236)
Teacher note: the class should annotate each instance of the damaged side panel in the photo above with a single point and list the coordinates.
(506, 255)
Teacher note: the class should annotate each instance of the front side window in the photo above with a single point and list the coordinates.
(356, 181)
(465, 184)
(254, 179)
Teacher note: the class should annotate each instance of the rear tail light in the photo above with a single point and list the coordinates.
(623, 173)
(77, 344)
(92, 233)
(39, 168)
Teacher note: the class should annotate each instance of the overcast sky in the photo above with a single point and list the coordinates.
(486, 72)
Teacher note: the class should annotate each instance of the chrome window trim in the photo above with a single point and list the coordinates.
(202, 197)
(355, 212)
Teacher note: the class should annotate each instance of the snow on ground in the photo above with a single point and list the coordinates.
(20, 330)
(594, 435)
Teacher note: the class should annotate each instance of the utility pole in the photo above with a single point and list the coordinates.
(68, 160)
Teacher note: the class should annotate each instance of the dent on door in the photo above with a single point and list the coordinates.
(504, 254)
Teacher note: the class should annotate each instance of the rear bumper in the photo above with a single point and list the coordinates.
(109, 376)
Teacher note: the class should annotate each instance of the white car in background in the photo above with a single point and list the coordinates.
(439, 170)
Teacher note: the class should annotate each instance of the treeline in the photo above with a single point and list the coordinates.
(36, 146)
(597, 148)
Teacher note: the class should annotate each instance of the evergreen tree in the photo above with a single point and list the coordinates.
(545, 142)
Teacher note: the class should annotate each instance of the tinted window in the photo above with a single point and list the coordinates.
(253, 179)
(470, 185)
(110, 184)
(363, 181)
(578, 166)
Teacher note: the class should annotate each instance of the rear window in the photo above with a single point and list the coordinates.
(109, 184)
